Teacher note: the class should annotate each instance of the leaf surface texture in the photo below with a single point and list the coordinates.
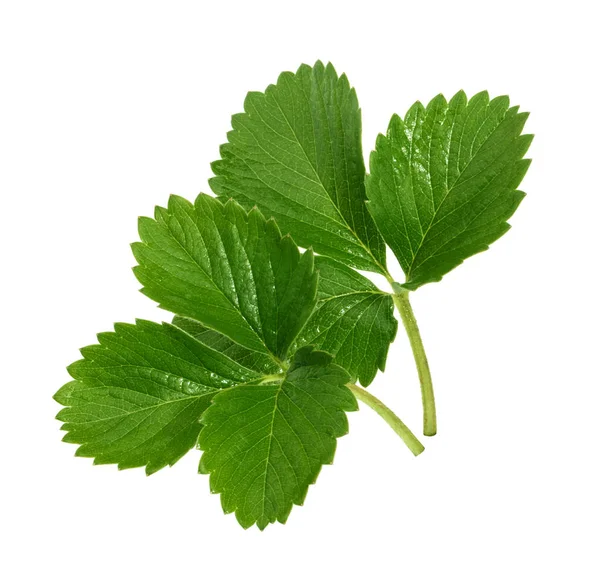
(296, 152)
(443, 181)
(228, 269)
(353, 320)
(264, 444)
(137, 396)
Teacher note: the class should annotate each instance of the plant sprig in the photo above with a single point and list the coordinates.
(259, 365)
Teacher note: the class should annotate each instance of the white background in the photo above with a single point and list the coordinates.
(108, 107)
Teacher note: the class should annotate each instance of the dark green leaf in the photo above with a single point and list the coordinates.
(296, 152)
(138, 395)
(353, 320)
(261, 363)
(264, 444)
(443, 181)
(229, 270)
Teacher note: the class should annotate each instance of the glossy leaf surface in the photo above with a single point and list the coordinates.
(137, 396)
(353, 320)
(443, 181)
(228, 269)
(256, 361)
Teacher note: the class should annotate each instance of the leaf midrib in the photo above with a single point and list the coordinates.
(487, 206)
(355, 306)
(322, 185)
(271, 435)
(148, 408)
(450, 189)
(210, 278)
(365, 292)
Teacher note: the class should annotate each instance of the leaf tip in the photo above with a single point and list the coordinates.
(395, 124)
(72, 369)
(63, 395)
(145, 224)
(416, 108)
(318, 66)
(437, 100)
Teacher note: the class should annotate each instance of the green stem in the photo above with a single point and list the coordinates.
(389, 417)
(402, 303)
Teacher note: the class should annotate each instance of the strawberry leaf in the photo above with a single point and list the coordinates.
(264, 444)
(138, 395)
(353, 320)
(444, 181)
(229, 270)
(261, 363)
(296, 152)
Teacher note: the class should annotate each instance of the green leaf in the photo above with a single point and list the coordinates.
(261, 363)
(229, 270)
(353, 320)
(296, 153)
(138, 395)
(443, 181)
(264, 444)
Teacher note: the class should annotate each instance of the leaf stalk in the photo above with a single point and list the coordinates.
(411, 441)
(400, 298)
